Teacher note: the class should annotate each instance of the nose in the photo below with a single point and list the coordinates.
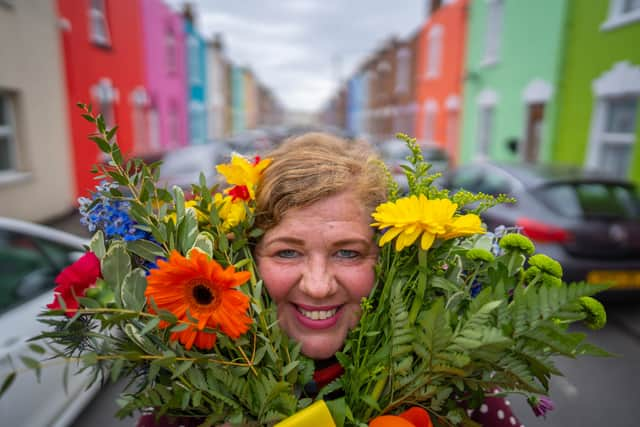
(317, 279)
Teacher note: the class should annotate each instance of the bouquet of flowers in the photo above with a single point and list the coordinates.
(168, 296)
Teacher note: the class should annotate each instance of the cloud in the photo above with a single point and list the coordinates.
(302, 48)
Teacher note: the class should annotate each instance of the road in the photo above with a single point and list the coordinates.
(594, 392)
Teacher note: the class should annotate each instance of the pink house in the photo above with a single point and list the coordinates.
(165, 77)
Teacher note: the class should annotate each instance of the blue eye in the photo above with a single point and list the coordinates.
(347, 253)
(287, 253)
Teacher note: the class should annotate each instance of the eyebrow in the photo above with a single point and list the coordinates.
(300, 242)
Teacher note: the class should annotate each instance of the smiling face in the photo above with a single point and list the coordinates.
(317, 264)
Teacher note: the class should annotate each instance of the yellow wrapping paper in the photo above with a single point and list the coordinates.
(315, 415)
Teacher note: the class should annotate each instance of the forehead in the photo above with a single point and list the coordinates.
(343, 214)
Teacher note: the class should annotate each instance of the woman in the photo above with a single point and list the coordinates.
(318, 252)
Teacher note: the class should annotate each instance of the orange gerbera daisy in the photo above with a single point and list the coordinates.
(200, 286)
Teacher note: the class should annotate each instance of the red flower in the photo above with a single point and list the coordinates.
(239, 192)
(73, 281)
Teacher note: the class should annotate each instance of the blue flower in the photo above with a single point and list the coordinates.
(100, 212)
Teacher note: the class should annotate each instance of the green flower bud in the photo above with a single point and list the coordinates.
(596, 314)
(517, 242)
(547, 265)
(478, 254)
(543, 277)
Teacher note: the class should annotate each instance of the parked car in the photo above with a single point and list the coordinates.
(587, 221)
(394, 153)
(182, 166)
(31, 256)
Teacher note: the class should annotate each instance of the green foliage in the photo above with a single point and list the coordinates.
(478, 323)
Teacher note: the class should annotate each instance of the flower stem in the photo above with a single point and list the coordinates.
(421, 288)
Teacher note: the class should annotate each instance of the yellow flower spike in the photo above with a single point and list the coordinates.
(243, 172)
(408, 218)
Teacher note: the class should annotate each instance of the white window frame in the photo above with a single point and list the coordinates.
(452, 107)
(486, 102)
(493, 32)
(99, 23)
(430, 119)
(403, 58)
(434, 52)
(617, 17)
(623, 80)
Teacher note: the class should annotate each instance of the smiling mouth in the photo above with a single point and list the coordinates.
(318, 314)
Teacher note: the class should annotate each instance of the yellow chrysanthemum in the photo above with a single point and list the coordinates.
(243, 172)
(410, 217)
(231, 212)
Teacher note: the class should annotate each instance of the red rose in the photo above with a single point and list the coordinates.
(74, 280)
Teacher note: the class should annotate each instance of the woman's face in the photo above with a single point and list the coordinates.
(317, 265)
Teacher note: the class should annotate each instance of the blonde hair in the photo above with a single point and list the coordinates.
(313, 166)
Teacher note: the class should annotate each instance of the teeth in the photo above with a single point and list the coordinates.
(318, 314)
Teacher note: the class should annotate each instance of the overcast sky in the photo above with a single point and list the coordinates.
(301, 48)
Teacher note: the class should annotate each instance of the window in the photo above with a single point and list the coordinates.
(171, 51)
(614, 121)
(140, 102)
(485, 127)
(403, 57)
(596, 199)
(98, 23)
(619, 135)
(621, 12)
(434, 52)
(194, 60)
(174, 125)
(8, 153)
(493, 32)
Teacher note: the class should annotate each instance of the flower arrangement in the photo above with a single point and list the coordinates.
(168, 296)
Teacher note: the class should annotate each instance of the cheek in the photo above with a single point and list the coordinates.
(277, 280)
(359, 282)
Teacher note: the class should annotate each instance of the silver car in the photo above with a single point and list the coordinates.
(587, 221)
(31, 256)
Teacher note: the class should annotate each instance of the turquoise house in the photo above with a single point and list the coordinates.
(238, 118)
(512, 68)
(598, 114)
(196, 82)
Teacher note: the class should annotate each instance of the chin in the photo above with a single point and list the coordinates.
(319, 351)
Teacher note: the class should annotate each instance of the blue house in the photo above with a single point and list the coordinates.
(196, 81)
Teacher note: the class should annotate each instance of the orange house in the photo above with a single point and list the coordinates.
(439, 76)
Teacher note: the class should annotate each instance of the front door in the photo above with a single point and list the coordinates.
(535, 115)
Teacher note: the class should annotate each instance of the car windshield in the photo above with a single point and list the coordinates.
(588, 200)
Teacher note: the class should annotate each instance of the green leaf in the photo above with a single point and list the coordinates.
(187, 230)
(182, 368)
(178, 199)
(132, 290)
(102, 144)
(204, 241)
(116, 369)
(32, 363)
(146, 249)
(8, 380)
(96, 245)
(116, 264)
(151, 324)
(37, 348)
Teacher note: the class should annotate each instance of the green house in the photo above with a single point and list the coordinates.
(598, 114)
(513, 62)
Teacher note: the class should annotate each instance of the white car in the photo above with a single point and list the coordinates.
(31, 256)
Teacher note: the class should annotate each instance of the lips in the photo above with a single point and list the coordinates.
(318, 317)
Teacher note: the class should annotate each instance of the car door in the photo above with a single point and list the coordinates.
(28, 267)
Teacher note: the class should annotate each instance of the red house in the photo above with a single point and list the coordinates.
(439, 75)
(103, 57)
